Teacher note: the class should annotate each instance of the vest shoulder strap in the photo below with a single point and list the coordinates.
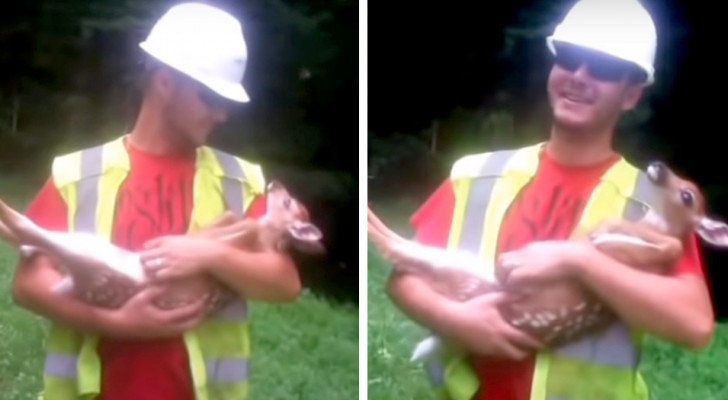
(89, 162)
(226, 165)
(633, 184)
(522, 160)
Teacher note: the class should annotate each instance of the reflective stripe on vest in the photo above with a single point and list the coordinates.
(218, 349)
(485, 185)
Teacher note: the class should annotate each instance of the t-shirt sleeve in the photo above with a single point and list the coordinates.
(48, 209)
(433, 219)
(691, 261)
(257, 207)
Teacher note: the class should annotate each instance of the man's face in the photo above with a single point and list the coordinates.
(194, 111)
(589, 90)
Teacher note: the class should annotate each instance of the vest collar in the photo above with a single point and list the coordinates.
(117, 156)
(526, 161)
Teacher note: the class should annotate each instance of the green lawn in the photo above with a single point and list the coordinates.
(307, 350)
(671, 373)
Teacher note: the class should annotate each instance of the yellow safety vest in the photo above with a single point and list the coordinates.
(218, 350)
(600, 367)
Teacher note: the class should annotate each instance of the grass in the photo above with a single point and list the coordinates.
(303, 351)
(671, 373)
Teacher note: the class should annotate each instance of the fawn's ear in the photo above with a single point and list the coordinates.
(713, 231)
(306, 237)
(305, 231)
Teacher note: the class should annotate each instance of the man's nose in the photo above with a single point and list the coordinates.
(582, 72)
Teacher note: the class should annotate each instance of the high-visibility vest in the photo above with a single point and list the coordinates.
(603, 366)
(218, 349)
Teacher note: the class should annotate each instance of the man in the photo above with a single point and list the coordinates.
(144, 191)
(516, 207)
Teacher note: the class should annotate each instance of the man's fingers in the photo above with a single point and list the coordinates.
(494, 298)
(512, 351)
(507, 265)
(148, 294)
(517, 277)
(525, 340)
(156, 242)
(153, 259)
(186, 312)
(191, 323)
(509, 260)
(502, 273)
(516, 336)
(166, 273)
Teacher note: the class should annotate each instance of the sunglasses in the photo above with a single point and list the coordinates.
(601, 67)
(212, 99)
(205, 94)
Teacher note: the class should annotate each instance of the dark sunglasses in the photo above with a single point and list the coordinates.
(205, 94)
(212, 99)
(602, 67)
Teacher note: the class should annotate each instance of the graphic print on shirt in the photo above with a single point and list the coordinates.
(156, 206)
(552, 214)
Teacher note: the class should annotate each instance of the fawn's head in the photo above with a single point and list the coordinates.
(286, 212)
(684, 206)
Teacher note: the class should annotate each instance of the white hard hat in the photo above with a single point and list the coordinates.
(205, 43)
(621, 28)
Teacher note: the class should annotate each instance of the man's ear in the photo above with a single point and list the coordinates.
(162, 83)
(632, 97)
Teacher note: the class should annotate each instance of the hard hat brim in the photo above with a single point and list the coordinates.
(230, 91)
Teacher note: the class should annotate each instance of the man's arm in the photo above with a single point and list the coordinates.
(410, 293)
(676, 307)
(271, 277)
(265, 276)
(139, 318)
(477, 324)
(35, 276)
(31, 290)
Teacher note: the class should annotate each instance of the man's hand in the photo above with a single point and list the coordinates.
(179, 256)
(265, 276)
(537, 263)
(673, 307)
(138, 318)
(479, 327)
(141, 318)
(475, 325)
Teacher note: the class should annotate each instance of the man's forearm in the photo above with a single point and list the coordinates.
(258, 276)
(421, 303)
(32, 291)
(675, 308)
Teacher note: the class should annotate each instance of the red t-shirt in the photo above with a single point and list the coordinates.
(547, 209)
(155, 200)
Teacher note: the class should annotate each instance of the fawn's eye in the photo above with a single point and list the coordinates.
(687, 198)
